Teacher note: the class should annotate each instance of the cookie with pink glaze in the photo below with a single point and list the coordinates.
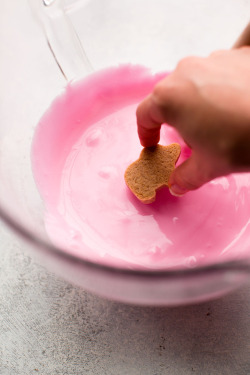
(151, 171)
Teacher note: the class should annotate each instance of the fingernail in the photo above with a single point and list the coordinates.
(177, 191)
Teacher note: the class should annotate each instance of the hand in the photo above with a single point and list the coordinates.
(207, 100)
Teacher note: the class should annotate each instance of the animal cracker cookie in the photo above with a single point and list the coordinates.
(151, 171)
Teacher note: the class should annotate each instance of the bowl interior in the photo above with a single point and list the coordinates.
(154, 33)
(81, 148)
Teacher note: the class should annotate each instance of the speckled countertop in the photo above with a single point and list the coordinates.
(50, 327)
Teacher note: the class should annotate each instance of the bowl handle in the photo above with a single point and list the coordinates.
(62, 38)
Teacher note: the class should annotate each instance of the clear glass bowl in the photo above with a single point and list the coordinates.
(84, 36)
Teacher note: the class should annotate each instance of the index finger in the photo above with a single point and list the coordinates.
(163, 105)
(147, 125)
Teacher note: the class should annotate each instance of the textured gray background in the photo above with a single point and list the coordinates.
(49, 327)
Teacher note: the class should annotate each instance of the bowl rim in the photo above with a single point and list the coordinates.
(242, 265)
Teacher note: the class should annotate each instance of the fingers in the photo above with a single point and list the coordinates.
(148, 124)
(166, 104)
(171, 102)
(191, 175)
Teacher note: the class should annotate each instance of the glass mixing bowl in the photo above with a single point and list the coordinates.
(85, 36)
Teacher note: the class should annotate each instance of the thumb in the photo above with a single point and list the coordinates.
(190, 175)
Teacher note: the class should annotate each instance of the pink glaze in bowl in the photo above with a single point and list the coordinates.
(176, 247)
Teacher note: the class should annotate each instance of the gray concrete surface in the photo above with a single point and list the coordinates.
(50, 327)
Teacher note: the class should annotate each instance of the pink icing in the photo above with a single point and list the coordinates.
(81, 148)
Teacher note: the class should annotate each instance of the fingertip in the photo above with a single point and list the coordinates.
(177, 191)
(148, 143)
(148, 128)
(148, 138)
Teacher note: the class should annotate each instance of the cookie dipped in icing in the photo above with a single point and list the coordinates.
(152, 171)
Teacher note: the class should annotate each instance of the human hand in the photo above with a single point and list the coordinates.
(207, 100)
